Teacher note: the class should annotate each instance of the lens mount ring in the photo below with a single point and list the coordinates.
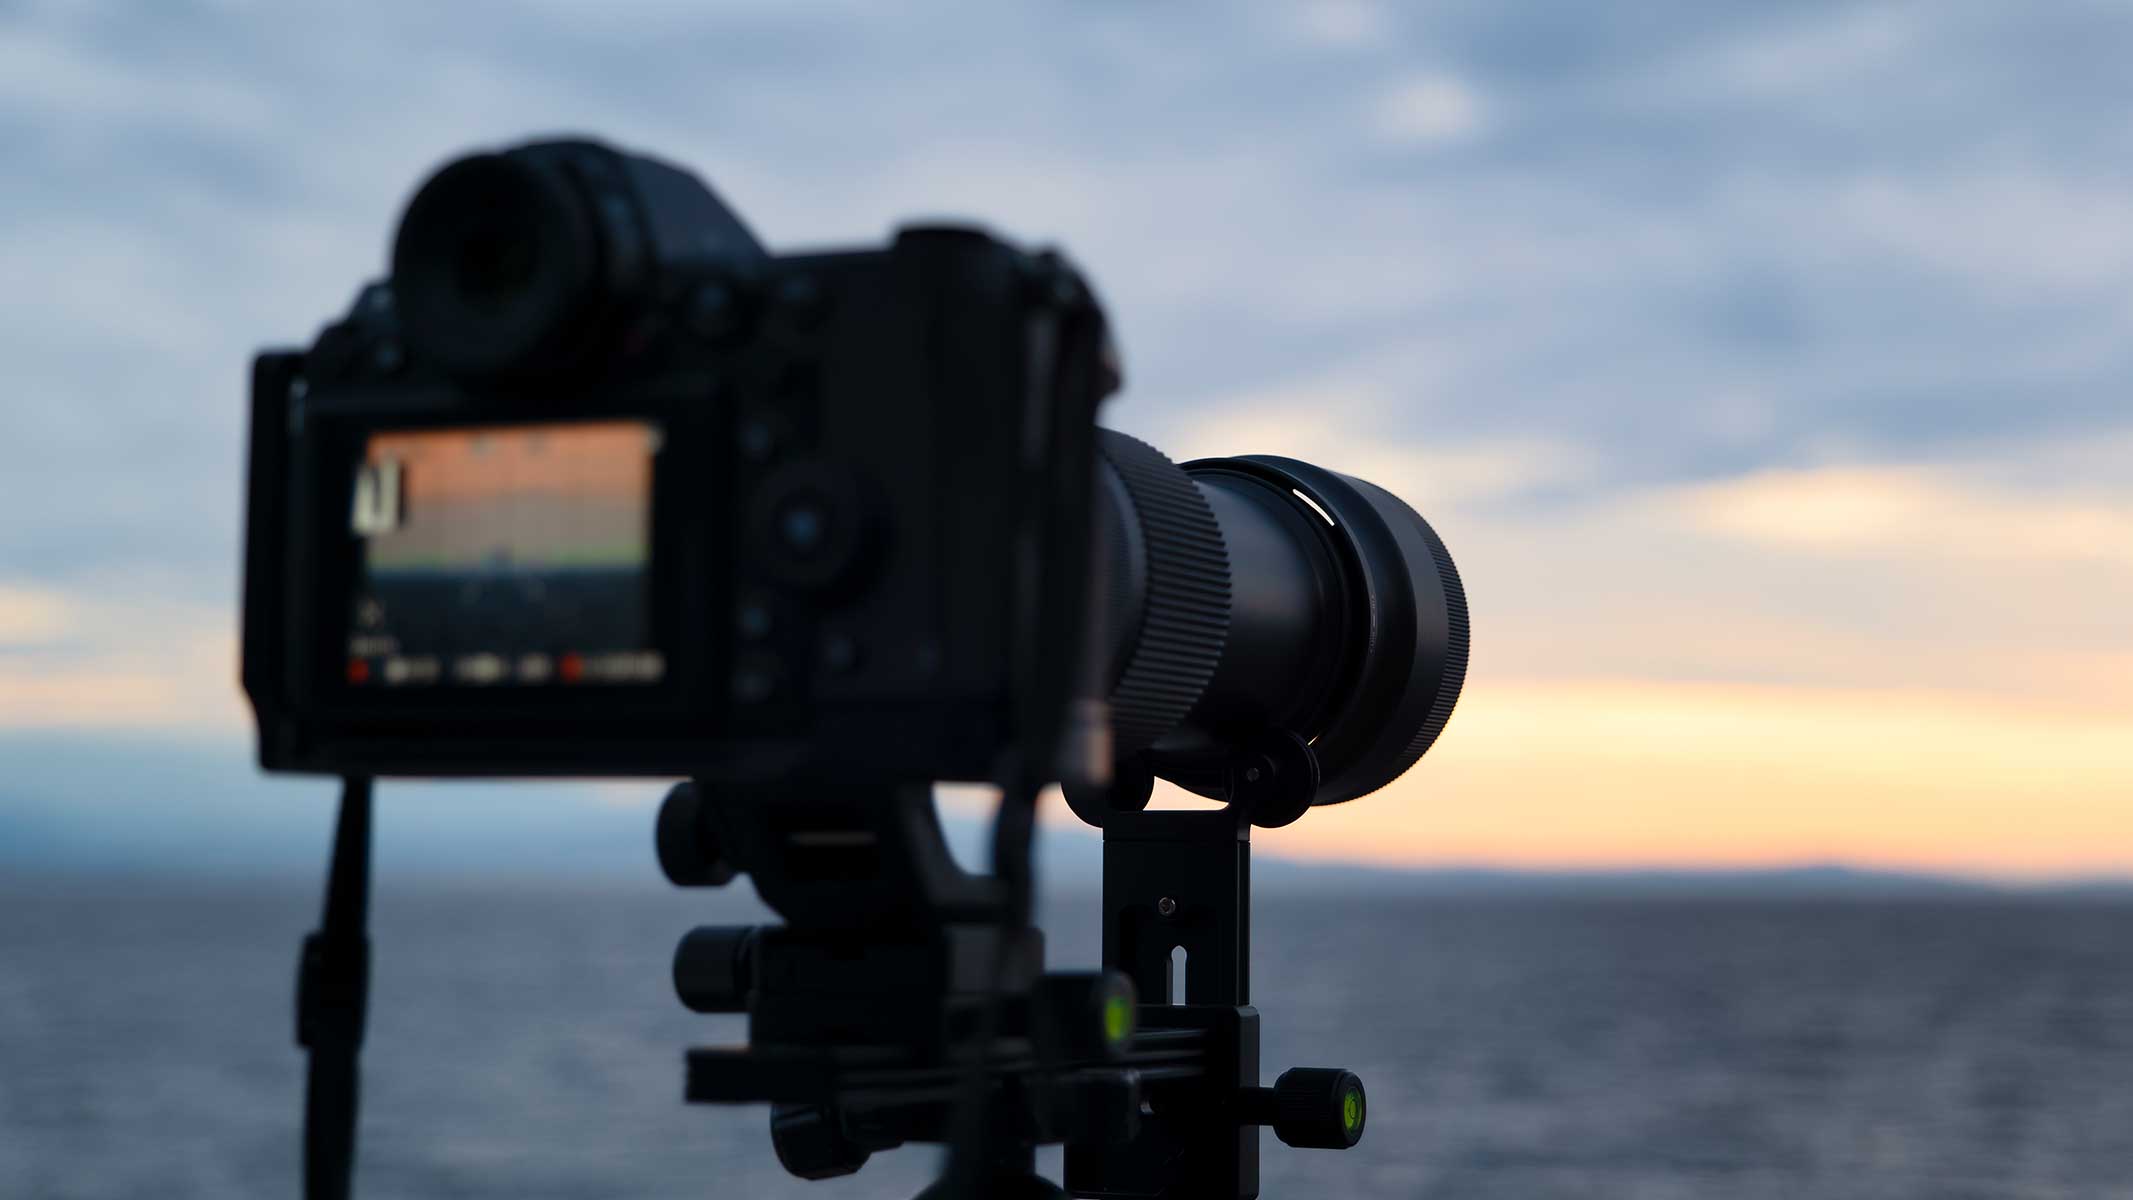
(1408, 629)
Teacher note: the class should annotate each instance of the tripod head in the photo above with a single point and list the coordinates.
(867, 1008)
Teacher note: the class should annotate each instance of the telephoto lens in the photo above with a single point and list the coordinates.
(1260, 606)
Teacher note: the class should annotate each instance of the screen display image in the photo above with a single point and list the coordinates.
(504, 556)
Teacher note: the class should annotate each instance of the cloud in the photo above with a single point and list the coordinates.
(71, 81)
(1615, 262)
(1781, 59)
(1898, 510)
(97, 697)
(1733, 347)
(1429, 109)
(1345, 24)
(2000, 571)
(117, 656)
(30, 616)
(2013, 234)
(1965, 574)
(1336, 423)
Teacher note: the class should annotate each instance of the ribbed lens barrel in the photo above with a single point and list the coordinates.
(1260, 594)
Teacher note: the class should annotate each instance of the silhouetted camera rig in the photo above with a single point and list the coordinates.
(592, 484)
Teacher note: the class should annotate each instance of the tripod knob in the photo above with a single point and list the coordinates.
(689, 849)
(1091, 1012)
(714, 968)
(812, 1143)
(1314, 1108)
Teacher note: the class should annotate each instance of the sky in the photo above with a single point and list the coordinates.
(1765, 367)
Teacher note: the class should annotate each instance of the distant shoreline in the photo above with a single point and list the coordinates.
(1273, 877)
(104, 809)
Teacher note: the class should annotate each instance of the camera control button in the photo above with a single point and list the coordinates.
(714, 312)
(753, 620)
(756, 679)
(796, 385)
(840, 654)
(810, 525)
(803, 525)
(802, 300)
(758, 441)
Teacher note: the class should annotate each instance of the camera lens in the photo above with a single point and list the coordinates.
(496, 259)
(1259, 596)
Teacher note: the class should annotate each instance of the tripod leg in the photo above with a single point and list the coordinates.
(331, 987)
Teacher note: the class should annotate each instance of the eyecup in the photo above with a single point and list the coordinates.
(497, 264)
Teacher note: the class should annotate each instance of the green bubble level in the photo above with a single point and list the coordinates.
(1118, 1019)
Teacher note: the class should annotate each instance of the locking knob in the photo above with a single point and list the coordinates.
(689, 849)
(714, 968)
(812, 1142)
(1313, 1108)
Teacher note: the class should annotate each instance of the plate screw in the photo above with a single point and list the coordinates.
(840, 653)
(1167, 906)
(713, 312)
(757, 441)
(754, 620)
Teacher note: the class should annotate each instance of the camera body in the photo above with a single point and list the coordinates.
(594, 485)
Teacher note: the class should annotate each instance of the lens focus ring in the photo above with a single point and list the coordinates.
(1184, 617)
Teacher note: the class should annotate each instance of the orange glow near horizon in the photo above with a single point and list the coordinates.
(1606, 774)
(1554, 773)
(1608, 725)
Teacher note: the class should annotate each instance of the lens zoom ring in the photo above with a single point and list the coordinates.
(1185, 617)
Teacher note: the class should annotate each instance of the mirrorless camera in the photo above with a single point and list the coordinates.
(592, 484)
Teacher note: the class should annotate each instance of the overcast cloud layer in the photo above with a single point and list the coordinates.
(1727, 344)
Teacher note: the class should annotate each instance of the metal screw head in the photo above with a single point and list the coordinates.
(754, 620)
(1251, 774)
(1167, 906)
(753, 684)
(757, 440)
(839, 652)
(803, 527)
(802, 299)
(927, 658)
(713, 311)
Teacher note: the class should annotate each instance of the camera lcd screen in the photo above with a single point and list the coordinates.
(504, 556)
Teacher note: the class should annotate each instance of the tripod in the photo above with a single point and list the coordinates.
(895, 979)
(866, 1008)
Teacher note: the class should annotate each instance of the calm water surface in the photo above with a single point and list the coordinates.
(524, 1043)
